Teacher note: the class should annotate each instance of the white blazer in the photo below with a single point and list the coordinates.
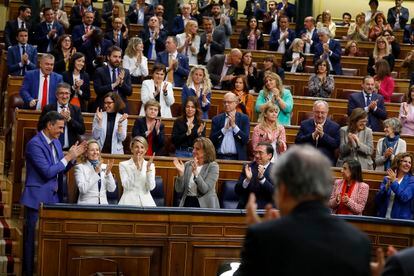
(147, 93)
(87, 181)
(99, 133)
(192, 56)
(137, 184)
(401, 146)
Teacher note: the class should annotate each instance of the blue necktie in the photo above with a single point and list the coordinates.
(149, 55)
(24, 65)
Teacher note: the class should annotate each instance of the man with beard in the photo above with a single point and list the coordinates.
(22, 22)
(222, 22)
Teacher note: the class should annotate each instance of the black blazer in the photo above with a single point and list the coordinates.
(76, 126)
(371, 62)
(124, 41)
(400, 264)
(288, 57)
(217, 45)
(159, 43)
(244, 40)
(76, 17)
(60, 65)
(10, 32)
(308, 241)
(139, 129)
(86, 88)
(179, 136)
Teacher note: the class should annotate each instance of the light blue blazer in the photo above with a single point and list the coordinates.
(99, 133)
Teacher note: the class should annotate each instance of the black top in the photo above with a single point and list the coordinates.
(107, 146)
(179, 135)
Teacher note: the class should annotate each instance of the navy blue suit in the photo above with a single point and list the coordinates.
(327, 144)
(183, 69)
(314, 38)
(30, 87)
(159, 42)
(14, 58)
(335, 57)
(77, 33)
(374, 117)
(178, 25)
(241, 138)
(263, 191)
(42, 39)
(123, 43)
(10, 32)
(275, 36)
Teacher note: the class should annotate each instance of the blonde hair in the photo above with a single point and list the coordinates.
(278, 80)
(83, 157)
(295, 45)
(131, 49)
(189, 24)
(139, 139)
(121, 10)
(387, 48)
(269, 106)
(206, 80)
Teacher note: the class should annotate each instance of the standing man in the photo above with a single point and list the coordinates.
(282, 37)
(48, 32)
(270, 18)
(181, 20)
(372, 103)
(153, 38)
(22, 22)
(82, 32)
(116, 36)
(60, 15)
(137, 14)
(320, 132)
(45, 164)
(398, 16)
(39, 85)
(309, 35)
(21, 57)
(78, 11)
(222, 22)
(221, 68)
(212, 41)
(330, 50)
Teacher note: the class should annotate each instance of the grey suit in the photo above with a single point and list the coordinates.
(216, 46)
(215, 67)
(206, 184)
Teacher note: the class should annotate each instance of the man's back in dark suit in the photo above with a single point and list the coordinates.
(10, 32)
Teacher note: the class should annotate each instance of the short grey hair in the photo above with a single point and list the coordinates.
(305, 172)
(318, 102)
(393, 123)
(63, 85)
(47, 56)
(324, 31)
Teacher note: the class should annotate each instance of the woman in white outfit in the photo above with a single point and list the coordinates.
(137, 176)
(188, 42)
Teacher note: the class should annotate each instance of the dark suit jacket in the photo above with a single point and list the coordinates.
(124, 41)
(408, 31)
(178, 24)
(392, 16)
(179, 136)
(216, 47)
(107, 11)
(288, 57)
(139, 129)
(263, 192)
(290, 10)
(76, 127)
(244, 40)
(86, 90)
(42, 39)
(374, 117)
(14, 58)
(215, 67)
(90, 54)
(275, 36)
(76, 17)
(182, 71)
(327, 144)
(133, 15)
(159, 43)
(301, 243)
(371, 62)
(10, 32)
(241, 138)
(314, 38)
(400, 264)
(77, 33)
(335, 57)
(60, 64)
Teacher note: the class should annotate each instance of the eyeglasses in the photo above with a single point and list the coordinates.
(229, 102)
(381, 41)
(108, 103)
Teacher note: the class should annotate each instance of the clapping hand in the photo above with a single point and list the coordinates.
(251, 211)
(345, 198)
(201, 128)
(190, 126)
(326, 47)
(78, 84)
(248, 172)
(33, 103)
(372, 105)
(25, 58)
(179, 165)
(65, 112)
(123, 118)
(150, 161)
(260, 171)
(157, 125)
(388, 152)
(391, 175)
(109, 166)
(99, 116)
(194, 166)
(75, 151)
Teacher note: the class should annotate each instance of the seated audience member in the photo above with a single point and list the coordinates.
(409, 33)
(78, 12)
(248, 68)
(60, 15)
(229, 8)
(188, 42)
(251, 37)
(371, 102)
(135, 61)
(154, 38)
(137, 176)
(83, 32)
(269, 65)
(176, 64)
(195, 13)
(34, 95)
(269, 131)
(222, 68)
(246, 100)
(321, 83)
(294, 59)
(187, 128)
(270, 18)
(109, 127)
(112, 77)
(21, 22)
(212, 41)
(407, 113)
(47, 32)
(282, 37)
(181, 20)
(74, 126)
(383, 80)
(288, 9)
(78, 80)
(255, 9)
(118, 35)
(394, 199)
(273, 91)
(381, 51)
(21, 57)
(356, 140)
(151, 128)
(409, 63)
(63, 51)
(358, 31)
(352, 50)
(275, 246)
(255, 178)
(349, 194)
(230, 131)
(159, 90)
(328, 23)
(309, 35)
(139, 12)
(329, 50)
(378, 27)
(222, 22)
(93, 177)
(198, 85)
(320, 131)
(95, 50)
(397, 16)
(197, 178)
(389, 146)
(392, 43)
(346, 20)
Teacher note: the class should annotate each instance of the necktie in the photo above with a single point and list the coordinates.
(62, 135)
(44, 93)
(149, 55)
(368, 99)
(113, 75)
(98, 51)
(49, 27)
(22, 25)
(24, 65)
(170, 76)
(86, 29)
(53, 153)
(49, 46)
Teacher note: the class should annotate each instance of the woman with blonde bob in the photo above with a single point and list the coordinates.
(273, 91)
(137, 176)
(328, 23)
(135, 61)
(269, 131)
(93, 177)
(358, 31)
(381, 51)
(188, 42)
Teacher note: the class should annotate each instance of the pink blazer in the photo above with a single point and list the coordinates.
(357, 201)
(260, 135)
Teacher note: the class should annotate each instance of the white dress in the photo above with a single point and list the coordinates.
(137, 184)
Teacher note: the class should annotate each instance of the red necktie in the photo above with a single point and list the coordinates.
(44, 93)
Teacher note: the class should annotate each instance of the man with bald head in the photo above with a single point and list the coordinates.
(230, 131)
(222, 68)
(309, 35)
(320, 131)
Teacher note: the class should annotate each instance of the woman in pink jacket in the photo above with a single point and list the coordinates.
(383, 79)
(349, 194)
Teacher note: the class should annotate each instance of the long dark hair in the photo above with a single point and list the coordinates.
(355, 169)
(197, 115)
(75, 57)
